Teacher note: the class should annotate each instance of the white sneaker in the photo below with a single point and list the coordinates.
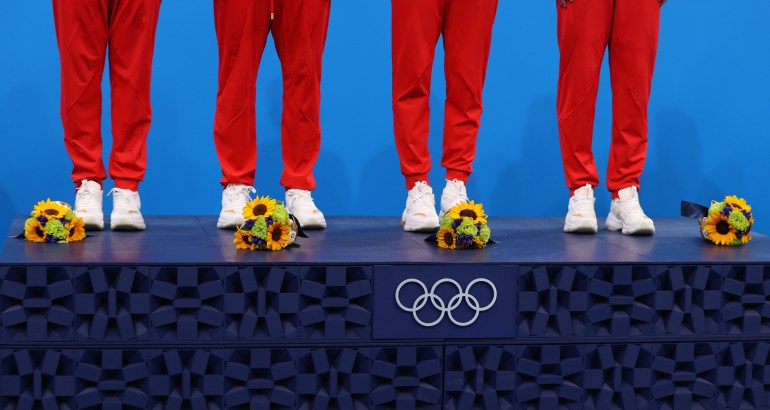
(454, 193)
(300, 204)
(234, 198)
(420, 213)
(626, 214)
(88, 204)
(126, 211)
(581, 217)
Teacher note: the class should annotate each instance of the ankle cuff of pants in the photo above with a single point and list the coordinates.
(413, 179)
(458, 175)
(131, 184)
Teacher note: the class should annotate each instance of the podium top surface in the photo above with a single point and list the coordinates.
(380, 240)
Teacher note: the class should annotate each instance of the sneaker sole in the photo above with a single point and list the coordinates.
(314, 224)
(93, 223)
(615, 224)
(582, 228)
(127, 224)
(425, 226)
(229, 223)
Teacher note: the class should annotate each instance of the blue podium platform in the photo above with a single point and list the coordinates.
(364, 315)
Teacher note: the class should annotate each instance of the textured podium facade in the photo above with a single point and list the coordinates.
(366, 316)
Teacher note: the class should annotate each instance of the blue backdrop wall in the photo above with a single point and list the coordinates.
(708, 115)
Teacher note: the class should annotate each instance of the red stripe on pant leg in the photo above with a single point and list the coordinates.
(633, 48)
(416, 26)
(132, 41)
(300, 30)
(242, 28)
(583, 34)
(82, 34)
(467, 39)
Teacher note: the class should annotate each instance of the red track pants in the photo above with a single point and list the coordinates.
(299, 30)
(585, 29)
(466, 26)
(86, 30)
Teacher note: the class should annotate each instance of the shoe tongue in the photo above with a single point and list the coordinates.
(628, 193)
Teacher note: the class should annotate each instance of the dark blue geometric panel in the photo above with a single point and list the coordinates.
(617, 376)
(743, 375)
(332, 378)
(187, 303)
(479, 377)
(112, 303)
(261, 302)
(36, 379)
(36, 303)
(260, 379)
(622, 301)
(186, 379)
(549, 377)
(112, 379)
(683, 375)
(406, 378)
(553, 300)
(688, 299)
(335, 302)
(746, 308)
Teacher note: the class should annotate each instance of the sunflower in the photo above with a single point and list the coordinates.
(34, 230)
(277, 236)
(478, 243)
(50, 209)
(260, 206)
(446, 238)
(243, 240)
(470, 210)
(737, 203)
(719, 229)
(76, 230)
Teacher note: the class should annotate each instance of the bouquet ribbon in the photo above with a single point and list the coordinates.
(692, 210)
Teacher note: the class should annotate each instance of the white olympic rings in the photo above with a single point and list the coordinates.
(438, 303)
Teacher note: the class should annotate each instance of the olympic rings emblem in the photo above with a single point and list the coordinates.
(438, 302)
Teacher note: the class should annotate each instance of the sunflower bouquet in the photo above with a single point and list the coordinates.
(54, 222)
(267, 225)
(463, 227)
(728, 222)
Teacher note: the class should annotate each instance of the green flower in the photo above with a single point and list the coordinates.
(467, 228)
(716, 207)
(446, 222)
(68, 217)
(260, 228)
(485, 233)
(738, 220)
(54, 227)
(281, 214)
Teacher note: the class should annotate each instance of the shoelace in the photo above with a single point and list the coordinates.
(422, 200)
(126, 196)
(460, 194)
(86, 198)
(632, 205)
(584, 206)
(302, 199)
(236, 193)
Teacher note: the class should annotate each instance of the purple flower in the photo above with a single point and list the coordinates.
(726, 211)
(51, 239)
(739, 234)
(249, 223)
(464, 241)
(42, 219)
(269, 220)
(456, 223)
